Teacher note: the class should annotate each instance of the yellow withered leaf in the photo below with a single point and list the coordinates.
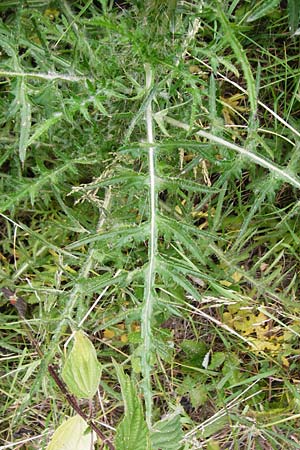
(108, 334)
(51, 13)
(81, 371)
(225, 283)
(236, 276)
(124, 338)
(178, 210)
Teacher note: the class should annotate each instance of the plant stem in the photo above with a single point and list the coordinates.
(44, 76)
(150, 274)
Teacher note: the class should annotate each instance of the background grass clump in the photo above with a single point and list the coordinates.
(150, 197)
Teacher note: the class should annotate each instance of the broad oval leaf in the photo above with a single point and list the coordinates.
(71, 435)
(81, 371)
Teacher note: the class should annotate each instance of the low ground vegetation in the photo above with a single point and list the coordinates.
(150, 198)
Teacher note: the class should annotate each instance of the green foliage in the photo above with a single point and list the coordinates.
(262, 9)
(195, 352)
(71, 435)
(25, 117)
(241, 57)
(150, 196)
(294, 16)
(81, 370)
(167, 433)
(132, 431)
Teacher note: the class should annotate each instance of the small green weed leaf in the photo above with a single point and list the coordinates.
(134, 337)
(188, 383)
(231, 371)
(198, 395)
(132, 432)
(228, 65)
(217, 360)
(213, 445)
(25, 122)
(99, 105)
(195, 351)
(30, 370)
(159, 119)
(262, 9)
(167, 434)
(81, 371)
(71, 435)
(192, 347)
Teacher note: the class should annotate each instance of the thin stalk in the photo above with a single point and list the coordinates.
(152, 249)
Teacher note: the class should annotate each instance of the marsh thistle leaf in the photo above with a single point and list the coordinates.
(81, 371)
(71, 435)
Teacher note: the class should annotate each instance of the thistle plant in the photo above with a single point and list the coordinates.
(149, 215)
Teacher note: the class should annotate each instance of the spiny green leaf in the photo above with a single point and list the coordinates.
(183, 228)
(126, 233)
(127, 179)
(34, 186)
(94, 284)
(188, 185)
(43, 127)
(240, 55)
(283, 173)
(169, 272)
